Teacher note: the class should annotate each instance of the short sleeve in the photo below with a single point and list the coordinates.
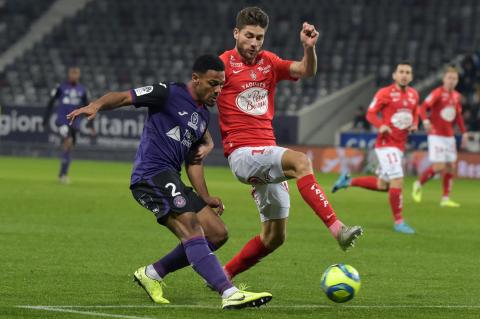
(282, 68)
(377, 103)
(432, 98)
(150, 96)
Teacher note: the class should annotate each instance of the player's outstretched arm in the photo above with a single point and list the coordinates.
(307, 67)
(109, 101)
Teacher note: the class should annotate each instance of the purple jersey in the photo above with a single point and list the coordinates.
(71, 97)
(175, 122)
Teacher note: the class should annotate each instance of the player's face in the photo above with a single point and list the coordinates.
(450, 80)
(208, 86)
(73, 75)
(249, 41)
(403, 75)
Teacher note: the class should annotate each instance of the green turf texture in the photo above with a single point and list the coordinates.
(79, 245)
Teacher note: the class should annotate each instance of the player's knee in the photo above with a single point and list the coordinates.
(382, 185)
(303, 166)
(190, 228)
(220, 237)
(274, 241)
(396, 183)
(438, 167)
(450, 168)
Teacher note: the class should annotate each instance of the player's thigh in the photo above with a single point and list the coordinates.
(258, 165)
(295, 164)
(390, 163)
(184, 226)
(396, 183)
(272, 201)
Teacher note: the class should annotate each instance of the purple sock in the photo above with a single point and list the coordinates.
(206, 264)
(65, 163)
(175, 260)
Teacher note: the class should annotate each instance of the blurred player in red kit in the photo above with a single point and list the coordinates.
(398, 107)
(445, 109)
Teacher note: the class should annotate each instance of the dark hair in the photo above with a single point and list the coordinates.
(402, 62)
(208, 62)
(252, 16)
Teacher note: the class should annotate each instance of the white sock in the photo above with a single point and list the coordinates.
(230, 291)
(152, 273)
(444, 198)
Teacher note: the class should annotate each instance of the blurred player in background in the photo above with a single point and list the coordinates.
(175, 128)
(71, 95)
(439, 112)
(398, 106)
(246, 110)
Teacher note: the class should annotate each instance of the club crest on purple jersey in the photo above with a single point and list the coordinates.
(179, 201)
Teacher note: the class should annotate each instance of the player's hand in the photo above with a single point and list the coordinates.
(90, 111)
(413, 128)
(216, 204)
(199, 153)
(308, 35)
(385, 129)
(427, 126)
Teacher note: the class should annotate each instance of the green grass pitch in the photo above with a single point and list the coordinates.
(77, 246)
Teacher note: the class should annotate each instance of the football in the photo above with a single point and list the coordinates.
(340, 282)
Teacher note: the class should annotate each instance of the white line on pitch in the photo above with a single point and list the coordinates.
(87, 313)
(312, 306)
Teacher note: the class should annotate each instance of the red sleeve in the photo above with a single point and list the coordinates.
(375, 106)
(427, 104)
(459, 119)
(281, 67)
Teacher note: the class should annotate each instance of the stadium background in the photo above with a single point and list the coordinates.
(123, 44)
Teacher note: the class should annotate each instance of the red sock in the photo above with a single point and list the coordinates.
(314, 196)
(251, 253)
(427, 175)
(368, 182)
(447, 184)
(396, 203)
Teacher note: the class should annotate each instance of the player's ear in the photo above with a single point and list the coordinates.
(236, 33)
(195, 78)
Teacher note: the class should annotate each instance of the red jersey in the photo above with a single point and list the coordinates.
(445, 109)
(399, 110)
(245, 105)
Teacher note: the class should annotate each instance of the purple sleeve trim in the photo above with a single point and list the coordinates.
(133, 96)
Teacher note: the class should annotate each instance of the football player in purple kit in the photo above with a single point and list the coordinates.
(175, 132)
(71, 95)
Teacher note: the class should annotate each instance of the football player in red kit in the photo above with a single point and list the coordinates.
(246, 110)
(445, 110)
(398, 106)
